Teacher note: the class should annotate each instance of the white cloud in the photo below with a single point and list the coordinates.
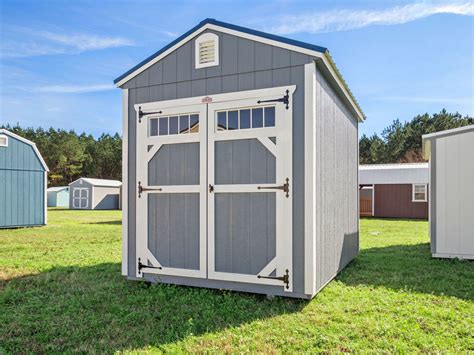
(345, 19)
(86, 42)
(74, 89)
(20, 42)
(422, 99)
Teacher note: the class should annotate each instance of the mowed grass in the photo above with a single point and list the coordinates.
(61, 291)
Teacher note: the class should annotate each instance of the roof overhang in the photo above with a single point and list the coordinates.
(321, 54)
(24, 140)
(427, 138)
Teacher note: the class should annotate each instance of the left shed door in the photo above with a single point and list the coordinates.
(171, 191)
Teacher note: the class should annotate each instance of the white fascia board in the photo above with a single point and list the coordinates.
(256, 38)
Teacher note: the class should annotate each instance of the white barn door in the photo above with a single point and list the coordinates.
(214, 187)
(171, 190)
(250, 184)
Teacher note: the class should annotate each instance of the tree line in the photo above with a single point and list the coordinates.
(402, 143)
(70, 156)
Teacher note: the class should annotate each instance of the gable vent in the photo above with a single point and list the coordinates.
(207, 50)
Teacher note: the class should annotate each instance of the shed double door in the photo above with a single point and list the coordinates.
(214, 189)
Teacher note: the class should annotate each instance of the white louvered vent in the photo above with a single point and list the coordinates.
(207, 50)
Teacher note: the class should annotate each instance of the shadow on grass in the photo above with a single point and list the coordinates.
(411, 268)
(94, 309)
(114, 222)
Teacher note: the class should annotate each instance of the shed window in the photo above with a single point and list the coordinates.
(419, 192)
(207, 50)
(257, 117)
(3, 141)
(164, 126)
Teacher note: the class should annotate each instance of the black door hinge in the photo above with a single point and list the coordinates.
(143, 266)
(285, 278)
(285, 187)
(141, 113)
(285, 99)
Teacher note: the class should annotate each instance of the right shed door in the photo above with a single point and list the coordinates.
(250, 190)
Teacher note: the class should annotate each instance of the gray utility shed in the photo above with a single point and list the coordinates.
(240, 164)
(95, 194)
(451, 202)
(23, 180)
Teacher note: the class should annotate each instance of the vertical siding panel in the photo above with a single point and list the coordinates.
(280, 57)
(246, 55)
(263, 56)
(169, 91)
(184, 62)
(183, 89)
(143, 79)
(3, 188)
(263, 79)
(156, 93)
(282, 77)
(132, 182)
(213, 86)
(229, 58)
(216, 70)
(177, 230)
(156, 73)
(8, 198)
(246, 81)
(223, 223)
(198, 87)
(230, 83)
(240, 233)
(170, 68)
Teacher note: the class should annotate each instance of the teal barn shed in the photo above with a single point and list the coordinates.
(58, 196)
(23, 180)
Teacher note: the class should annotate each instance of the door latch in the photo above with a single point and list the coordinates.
(143, 266)
(285, 278)
(285, 187)
(141, 189)
(211, 188)
(285, 99)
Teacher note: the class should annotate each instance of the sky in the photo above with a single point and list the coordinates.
(58, 59)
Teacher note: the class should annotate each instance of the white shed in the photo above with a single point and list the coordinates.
(451, 160)
(95, 194)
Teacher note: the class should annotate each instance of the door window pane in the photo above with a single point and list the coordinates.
(173, 129)
(221, 121)
(244, 119)
(269, 116)
(194, 123)
(163, 126)
(154, 127)
(257, 117)
(232, 120)
(184, 124)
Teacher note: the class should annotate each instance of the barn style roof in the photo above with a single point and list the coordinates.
(26, 141)
(404, 173)
(294, 45)
(100, 182)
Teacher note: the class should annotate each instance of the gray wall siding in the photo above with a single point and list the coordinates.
(337, 234)
(243, 66)
(21, 185)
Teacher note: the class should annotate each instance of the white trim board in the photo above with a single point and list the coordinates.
(322, 56)
(124, 191)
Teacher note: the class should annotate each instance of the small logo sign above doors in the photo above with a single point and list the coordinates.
(206, 100)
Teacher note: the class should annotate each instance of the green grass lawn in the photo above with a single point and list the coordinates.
(61, 291)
